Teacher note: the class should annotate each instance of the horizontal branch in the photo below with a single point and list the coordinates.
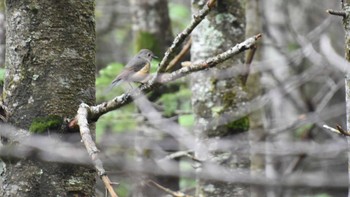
(210, 62)
(119, 101)
(336, 13)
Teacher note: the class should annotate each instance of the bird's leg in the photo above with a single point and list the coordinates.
(131, 88)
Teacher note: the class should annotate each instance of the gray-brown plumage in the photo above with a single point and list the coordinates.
(136, 70)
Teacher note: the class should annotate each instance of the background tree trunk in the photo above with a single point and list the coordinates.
(151, 25)
(346, 22)
(50, 69)
(254, 88)
(213, 97)
(152, 30)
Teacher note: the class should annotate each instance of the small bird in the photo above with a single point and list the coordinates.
(136, 70)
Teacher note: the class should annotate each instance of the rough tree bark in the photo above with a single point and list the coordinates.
(50, 69)
(2, 34)
(346, 24)
(212, 97)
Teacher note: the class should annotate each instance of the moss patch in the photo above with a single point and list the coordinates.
(239, 126)
(42, 124)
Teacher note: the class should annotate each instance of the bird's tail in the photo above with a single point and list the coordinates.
(115, 82)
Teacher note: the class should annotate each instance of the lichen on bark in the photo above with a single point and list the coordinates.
(223, 28)
(214, 97)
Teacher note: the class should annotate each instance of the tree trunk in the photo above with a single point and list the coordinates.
(50, 57)
(152, 30)
(256, 130)
(151, 25)
(346, 22)
(213, 97)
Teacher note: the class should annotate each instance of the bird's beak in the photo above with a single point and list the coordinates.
(155, 57)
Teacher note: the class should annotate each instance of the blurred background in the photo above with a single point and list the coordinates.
(303, 90)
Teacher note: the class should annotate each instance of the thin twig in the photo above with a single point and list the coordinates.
(178, 57)
(170, 53)
(90, 146)
(336, 13)
(339, 130)
(176, 194)
(248, 62)
(342, 131)
(180, 154)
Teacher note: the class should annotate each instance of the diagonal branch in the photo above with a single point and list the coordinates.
(210, 62)
(178, 57)
(180, 38)
(119, 101)
(90, 146)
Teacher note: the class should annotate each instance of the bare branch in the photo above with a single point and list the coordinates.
(170, 53)
(182, 53)
(91, 146)
(210, 62)
(176, 194)
(336, 13)
(119, 101)
(248, 62)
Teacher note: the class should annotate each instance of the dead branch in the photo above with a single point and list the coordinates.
(336, 13)
(178, 57)
(90, 146)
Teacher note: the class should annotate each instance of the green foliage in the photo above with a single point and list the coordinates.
(186, 120)
(2, 74)
(105, 78)
(180, 15)
(176, 101)
(42, 124)
(186, 182)
(123, 189)
(292, 46)
(169, 102)
(319, 195)
(302, 130)
(121, 120)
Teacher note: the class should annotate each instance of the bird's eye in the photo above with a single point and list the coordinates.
(149, 55)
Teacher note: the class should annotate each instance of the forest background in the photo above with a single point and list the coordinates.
(265, 129)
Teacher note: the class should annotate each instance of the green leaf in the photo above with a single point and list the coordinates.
(186, 120)
(2, 74)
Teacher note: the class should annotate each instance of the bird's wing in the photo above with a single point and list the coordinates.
(135, 64)
(118, 79)
(124, 74)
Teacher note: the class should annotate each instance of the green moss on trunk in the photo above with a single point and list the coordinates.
(42, 124)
